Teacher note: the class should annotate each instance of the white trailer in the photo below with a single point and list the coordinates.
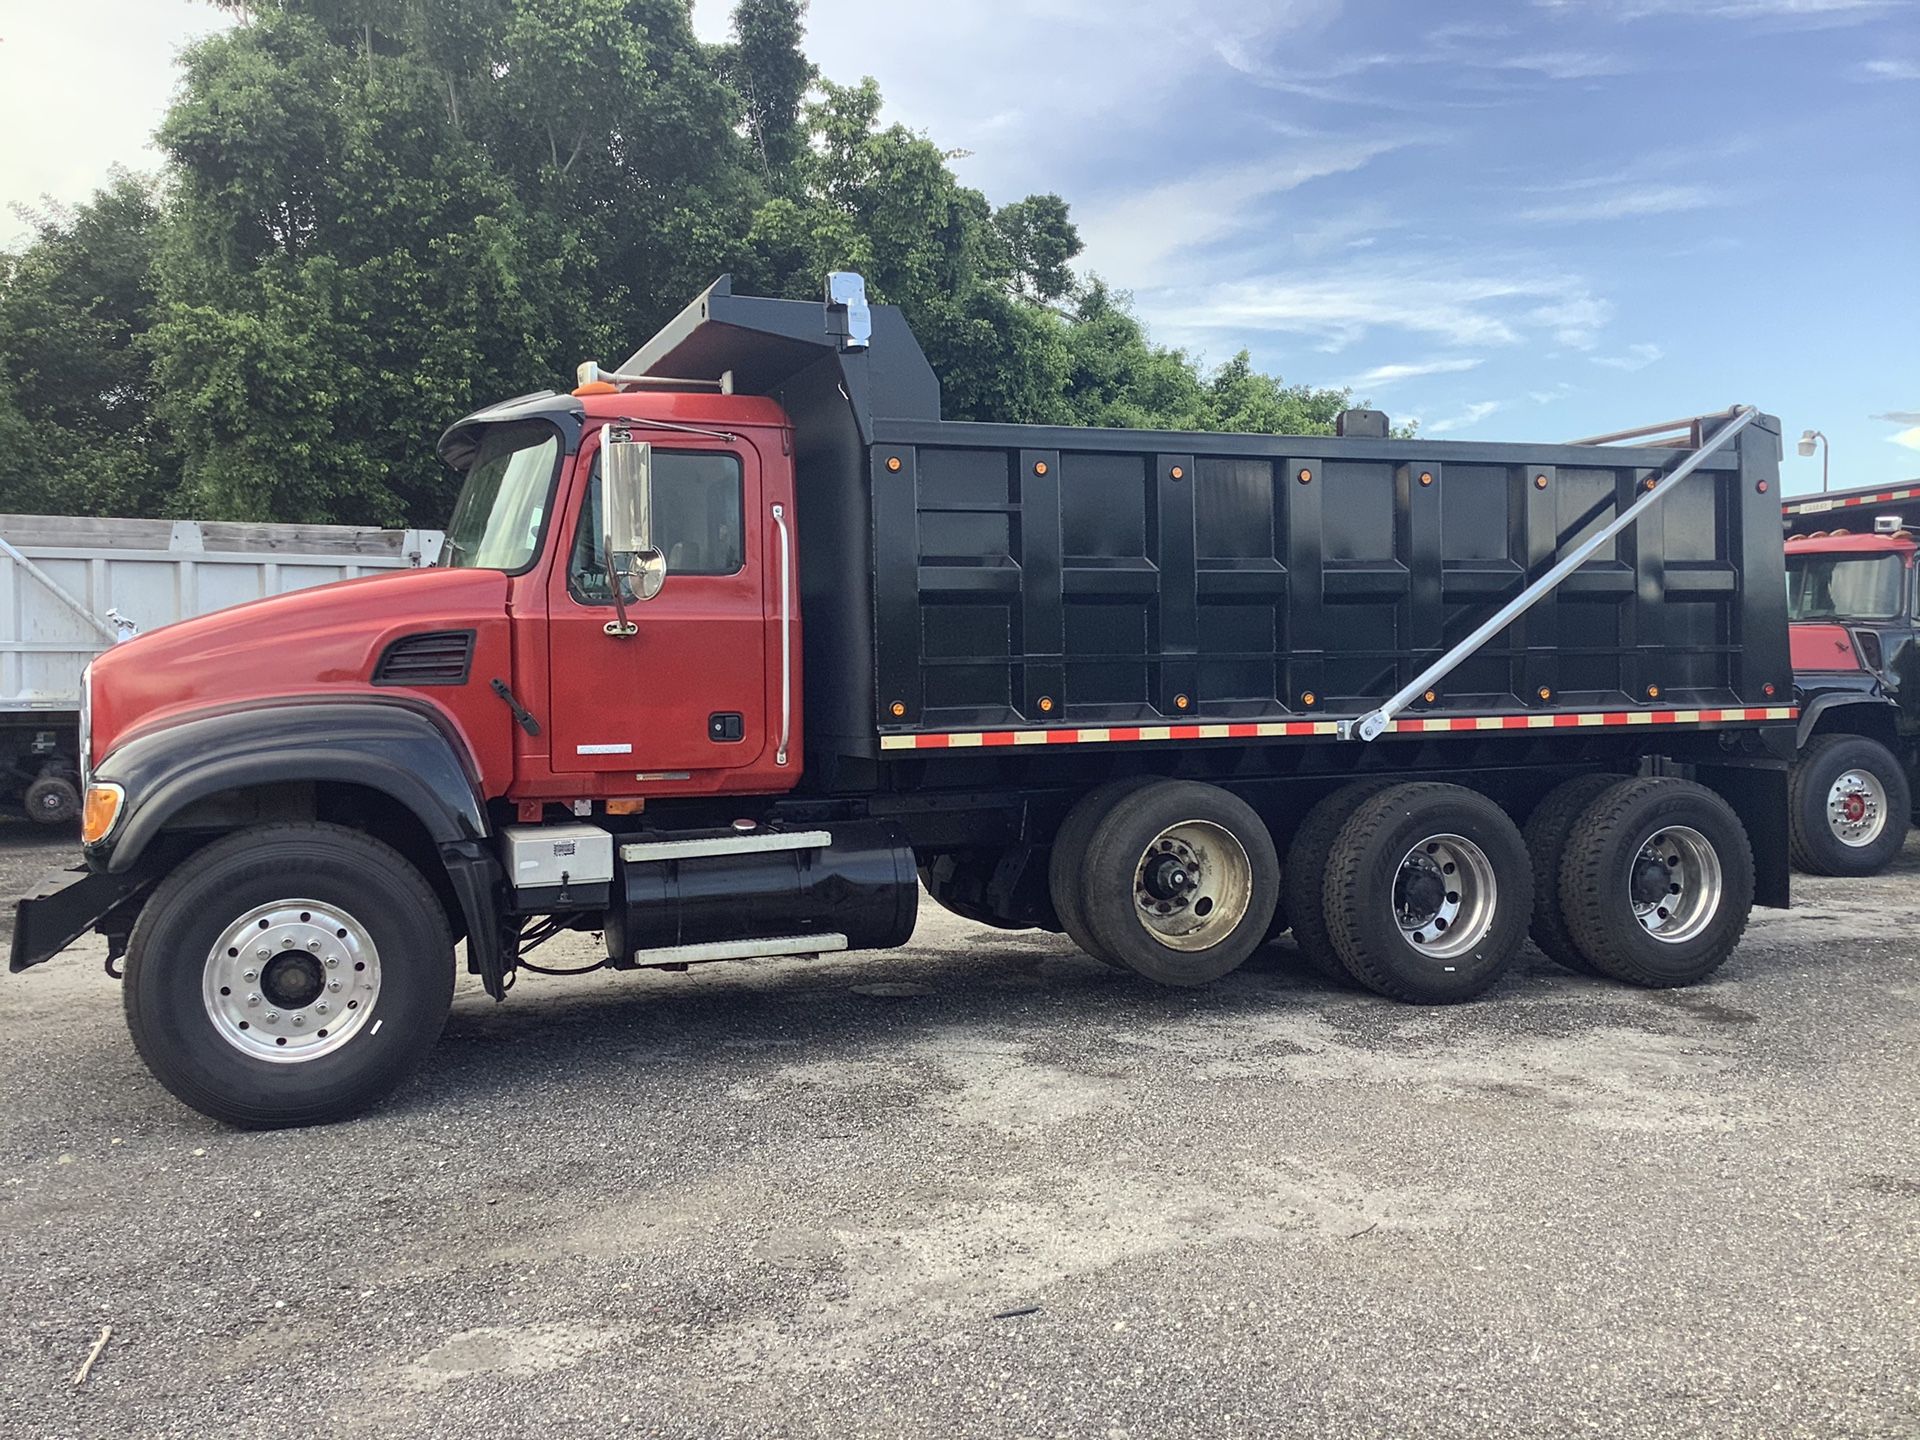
(72, 585)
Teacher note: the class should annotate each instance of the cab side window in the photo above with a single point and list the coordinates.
(698, 522)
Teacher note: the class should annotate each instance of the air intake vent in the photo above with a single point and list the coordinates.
(437, 657)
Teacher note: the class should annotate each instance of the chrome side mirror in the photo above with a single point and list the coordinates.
(626, 513)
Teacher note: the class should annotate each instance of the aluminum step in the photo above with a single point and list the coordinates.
(726, 845)
(740, 949)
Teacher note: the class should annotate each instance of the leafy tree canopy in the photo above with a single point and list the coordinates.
(376, 214)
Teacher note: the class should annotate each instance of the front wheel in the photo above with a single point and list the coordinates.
(288, 975)
(1848, 806)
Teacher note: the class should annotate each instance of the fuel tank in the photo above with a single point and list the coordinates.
(855, 879)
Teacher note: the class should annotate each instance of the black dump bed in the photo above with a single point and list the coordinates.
(967, 587)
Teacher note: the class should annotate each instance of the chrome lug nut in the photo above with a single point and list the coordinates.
(333, 962)
(321, 1007)
(313, 944)
(273, 1017)
(249, 975)
(333, 985)
(253, 999)
(299, 1019)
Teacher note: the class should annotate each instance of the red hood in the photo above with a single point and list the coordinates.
(321, 641)
(1821, 646)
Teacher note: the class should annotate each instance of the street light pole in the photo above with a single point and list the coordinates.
(1805, 447)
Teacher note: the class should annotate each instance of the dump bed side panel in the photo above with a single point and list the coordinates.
(1030, 578)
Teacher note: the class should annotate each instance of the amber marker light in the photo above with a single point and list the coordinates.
(1305, 477)
(1308, 698)
(1653, 692)
(1180, 702)
(1177, 473)
(1039, 467)
(893, 462)
(1545, 693)
(1046, 703)
(1432, 696)
(1426, 477)
(898, 708)
(99, 812)
(1539, 482)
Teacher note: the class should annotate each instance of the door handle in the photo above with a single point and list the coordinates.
(786, 633)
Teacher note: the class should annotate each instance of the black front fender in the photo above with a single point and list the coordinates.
(1816, 704)
(389, 746)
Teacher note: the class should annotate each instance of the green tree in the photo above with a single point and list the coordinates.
(77, 424)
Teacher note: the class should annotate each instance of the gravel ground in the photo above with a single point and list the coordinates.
(984, 1186)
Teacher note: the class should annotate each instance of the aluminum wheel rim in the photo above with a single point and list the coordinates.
(1444, 896)
(1192, 885)
(291, 981)
(1857, 808)
(1682, 905)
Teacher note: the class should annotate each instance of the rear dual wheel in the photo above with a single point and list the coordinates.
(1427, 893)
(1173, 880)
(1656, 882)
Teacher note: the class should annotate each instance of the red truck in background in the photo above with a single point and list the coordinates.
(732, 651)
(1856, 660)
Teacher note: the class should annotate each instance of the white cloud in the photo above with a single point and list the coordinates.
(1575, 321)
(1909, 438)
(1472, 415)
(1899, 417)
(1637, 357)
(1336, 307)
(1815, 12)
(1131, 235)
(1624, 203)
(1891, 69)
(1383, 375)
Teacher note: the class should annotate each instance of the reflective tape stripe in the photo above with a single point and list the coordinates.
(1275, 729)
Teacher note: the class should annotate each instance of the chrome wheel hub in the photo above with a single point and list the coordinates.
(1857, 808)
(1192, 885)
(291, 981)
(1444, 895)
(1674, 883)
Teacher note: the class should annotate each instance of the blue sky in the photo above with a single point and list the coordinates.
(1523, 219)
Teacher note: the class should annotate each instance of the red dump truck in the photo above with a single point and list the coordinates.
(732, 650)
(1851, 597)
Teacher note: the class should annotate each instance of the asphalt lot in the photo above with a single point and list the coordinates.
(986, 1187)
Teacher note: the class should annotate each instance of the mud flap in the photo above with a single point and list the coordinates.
(1757, 791)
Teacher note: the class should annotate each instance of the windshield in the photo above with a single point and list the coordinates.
(496, 521)
(1844, 587)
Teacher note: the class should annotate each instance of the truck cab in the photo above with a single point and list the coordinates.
(1852, 609)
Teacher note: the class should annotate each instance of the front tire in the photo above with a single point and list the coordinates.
(288, 975)
(1849, 806)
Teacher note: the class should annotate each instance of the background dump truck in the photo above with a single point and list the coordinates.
(1856, 675)
(1171, 694)
(71, 585)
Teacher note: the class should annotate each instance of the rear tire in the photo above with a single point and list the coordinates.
(1657, 882)
(51, 800)
(1180, 882)
(1849, 806)
(355, 992)
(1067, 863)
(1428, 892)
(1303, 877)
(1546, 835)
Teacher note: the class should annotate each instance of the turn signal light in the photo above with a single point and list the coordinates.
(101, 809)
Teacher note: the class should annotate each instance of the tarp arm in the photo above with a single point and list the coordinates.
(1374, 724)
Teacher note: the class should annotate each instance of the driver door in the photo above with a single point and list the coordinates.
(685, 697)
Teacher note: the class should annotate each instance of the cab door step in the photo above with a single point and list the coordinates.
(703, 845)
(681, 955)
